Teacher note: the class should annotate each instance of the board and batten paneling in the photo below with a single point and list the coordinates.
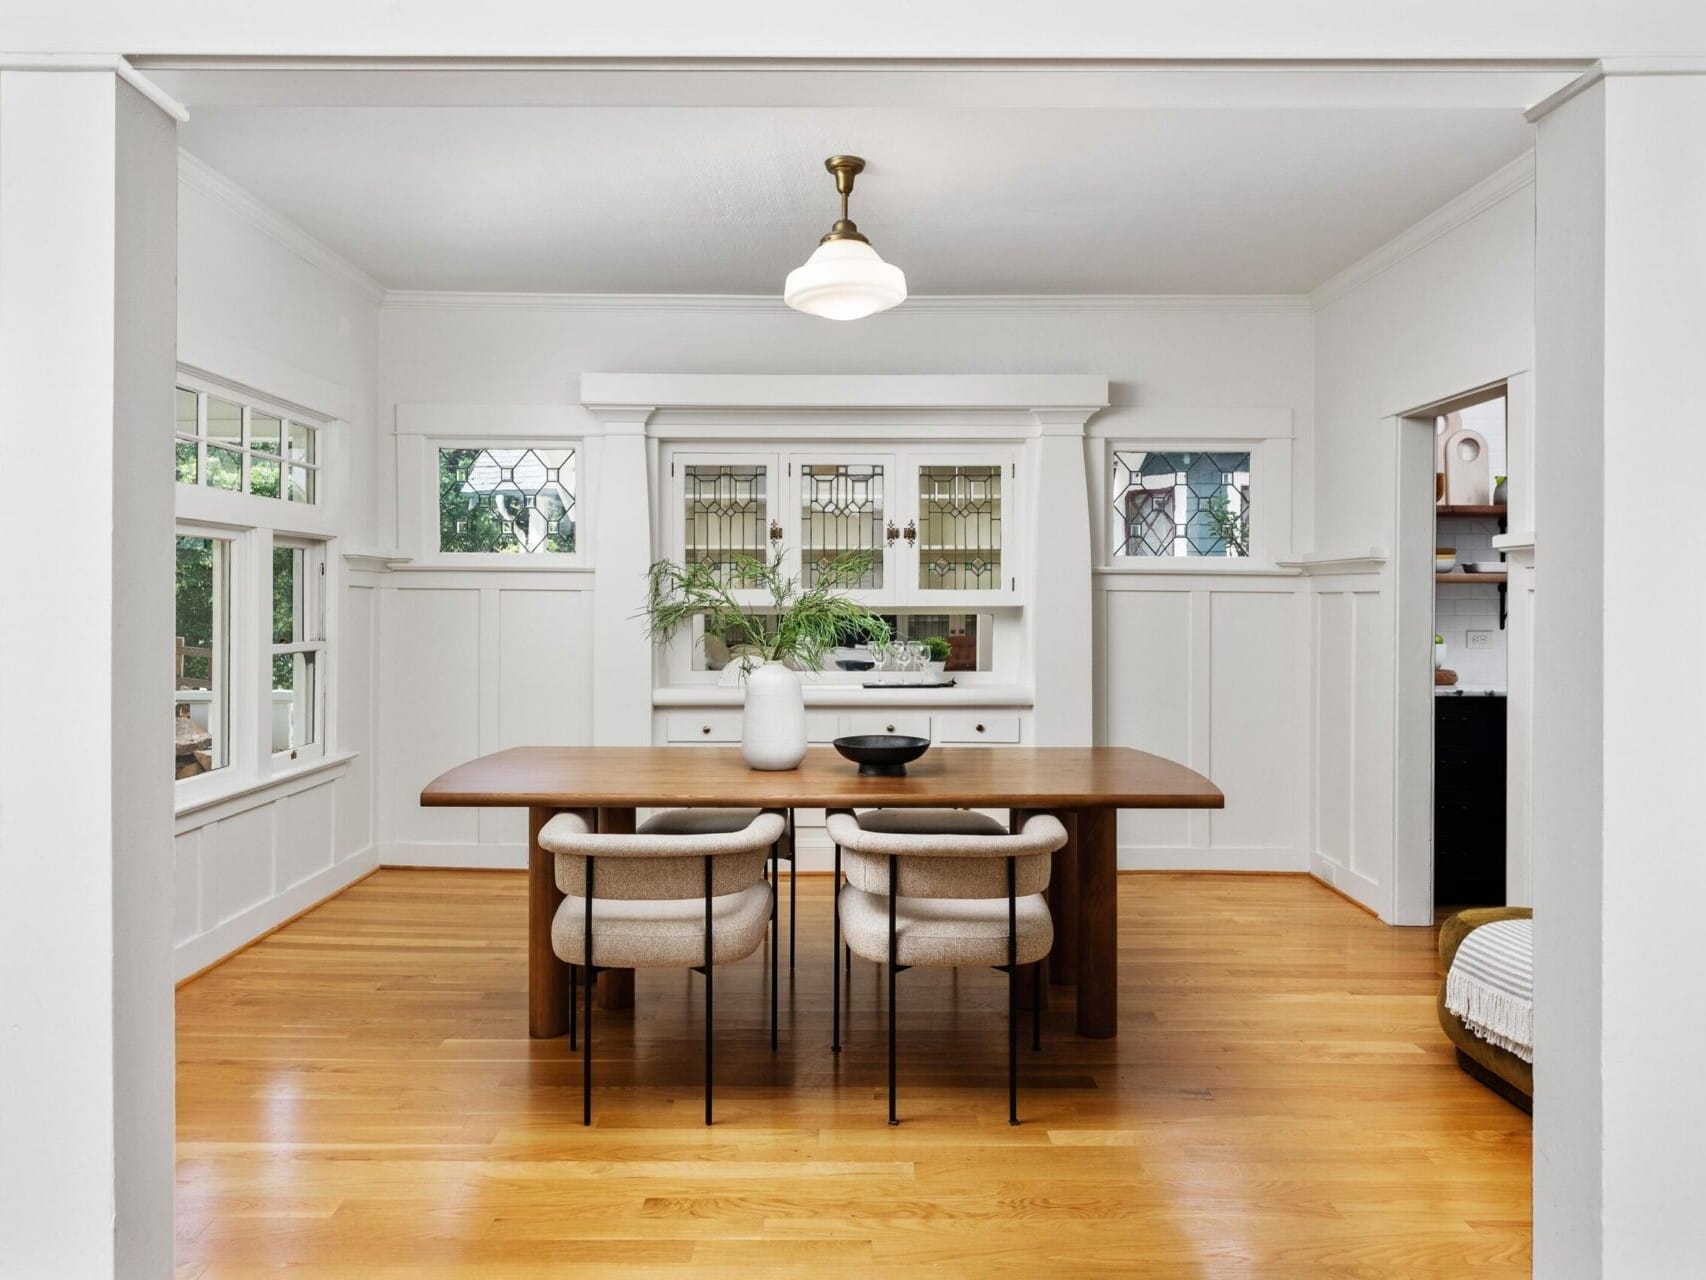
(473, 662)
(1351, 639)
(1207, 669)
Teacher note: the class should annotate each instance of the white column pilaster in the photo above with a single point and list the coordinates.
(1060, 558)
(88, 250)
(1619, 687)
(621, 554)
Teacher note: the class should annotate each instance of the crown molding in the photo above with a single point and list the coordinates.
(199, 176)
(1516, 175)
(1612, 68)
(118, 66)
(436, 300)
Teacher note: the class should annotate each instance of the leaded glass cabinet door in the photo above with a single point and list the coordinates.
(726, 510)
(843, 514)
(962, 530)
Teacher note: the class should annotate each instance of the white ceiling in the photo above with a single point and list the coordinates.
(1032, 184)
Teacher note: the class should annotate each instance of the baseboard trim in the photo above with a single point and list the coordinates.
(1351, 885)
(1233, 858)
(196, 956)
(471, 857)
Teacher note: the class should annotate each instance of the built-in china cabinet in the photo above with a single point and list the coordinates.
(935, 478)
(942, 527)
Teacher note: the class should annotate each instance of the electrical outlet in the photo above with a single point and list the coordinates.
(1477, 639)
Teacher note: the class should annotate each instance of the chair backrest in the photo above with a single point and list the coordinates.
(946, 863)
(658, 867)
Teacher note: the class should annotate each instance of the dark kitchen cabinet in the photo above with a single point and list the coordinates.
(1469, 800)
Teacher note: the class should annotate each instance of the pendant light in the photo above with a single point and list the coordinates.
(844, 279)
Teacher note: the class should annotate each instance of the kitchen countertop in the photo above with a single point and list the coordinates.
(853, 695)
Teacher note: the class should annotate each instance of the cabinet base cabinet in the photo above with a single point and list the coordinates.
(1469, 801)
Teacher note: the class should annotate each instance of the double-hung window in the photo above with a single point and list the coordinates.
(254, 649)
(298, 648)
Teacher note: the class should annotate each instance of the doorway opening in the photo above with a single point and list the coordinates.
(1454, 651)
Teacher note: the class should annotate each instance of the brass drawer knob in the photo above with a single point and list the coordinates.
(704, 728)
(980, 728)
(890, 729)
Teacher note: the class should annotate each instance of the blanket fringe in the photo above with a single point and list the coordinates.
(1495, 1016)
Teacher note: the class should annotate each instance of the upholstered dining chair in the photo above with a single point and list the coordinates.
(945, 887)
(685, 891)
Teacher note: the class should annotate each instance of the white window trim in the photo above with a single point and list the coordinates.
(206, 787)
(314, 607)
(1270, 498)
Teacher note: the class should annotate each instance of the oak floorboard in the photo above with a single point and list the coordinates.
(358, 1098)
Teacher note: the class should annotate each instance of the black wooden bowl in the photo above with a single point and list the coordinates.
(882, 755)
(855, 664)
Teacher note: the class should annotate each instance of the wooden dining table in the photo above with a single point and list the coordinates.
(1083, 786)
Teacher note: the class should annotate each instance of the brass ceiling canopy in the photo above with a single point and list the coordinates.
(845, 169)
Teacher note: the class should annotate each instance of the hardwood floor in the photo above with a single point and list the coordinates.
(358, 1097)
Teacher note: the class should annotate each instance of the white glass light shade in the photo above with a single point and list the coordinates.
(844, 280)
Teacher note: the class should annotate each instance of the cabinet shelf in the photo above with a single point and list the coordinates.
(1453, 579)
(1489, 509)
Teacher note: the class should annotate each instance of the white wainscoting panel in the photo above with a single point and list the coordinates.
(473, 663)
(247, 864)
(1208, 669)
(1354, 709)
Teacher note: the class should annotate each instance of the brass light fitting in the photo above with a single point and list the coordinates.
(845, 169)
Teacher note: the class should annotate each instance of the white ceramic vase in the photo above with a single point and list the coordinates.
(773, 729)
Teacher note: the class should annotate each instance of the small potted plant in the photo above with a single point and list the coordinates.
(937, 648)
(795, 631)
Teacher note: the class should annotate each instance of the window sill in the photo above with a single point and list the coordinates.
(1162, 566)
(507, 564)
(212, 806)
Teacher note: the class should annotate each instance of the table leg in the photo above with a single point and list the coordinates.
(1098, 925)
(616, 986)
(547, 976)
(1063, 906)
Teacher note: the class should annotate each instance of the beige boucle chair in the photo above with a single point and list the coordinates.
(946, 888)
(685, 891)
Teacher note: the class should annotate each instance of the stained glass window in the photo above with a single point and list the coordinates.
(1181, 504)
(512, 501)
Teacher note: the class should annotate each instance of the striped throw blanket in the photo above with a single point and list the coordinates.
(1491, 985)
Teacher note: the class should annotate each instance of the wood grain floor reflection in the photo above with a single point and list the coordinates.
(358, 1097)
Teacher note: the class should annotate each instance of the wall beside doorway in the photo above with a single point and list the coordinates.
(1442, 309)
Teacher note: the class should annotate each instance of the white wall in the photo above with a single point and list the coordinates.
(1218, 681)
(1445, 308)
(261, 304)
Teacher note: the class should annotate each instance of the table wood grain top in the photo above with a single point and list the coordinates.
(981, 777)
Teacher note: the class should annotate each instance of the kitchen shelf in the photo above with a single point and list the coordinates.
(1490, 509)
(1453, 579)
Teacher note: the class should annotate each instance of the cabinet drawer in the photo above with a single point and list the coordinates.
(909, 723)
(822, 727)
(704, 726)
(976, 726)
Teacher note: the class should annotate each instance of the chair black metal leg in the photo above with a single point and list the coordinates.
(574, 989)
(773, 979)
(775, 889)
(893, 895)
(1012, 996)
(835, 969)
(793, 890)
(708, 971)
(1037, 1006)
(591, 974)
